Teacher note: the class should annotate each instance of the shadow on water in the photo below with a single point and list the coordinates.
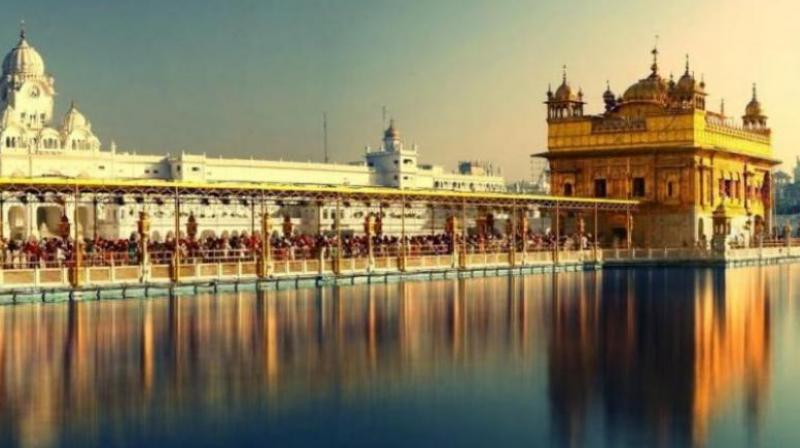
(617, 357)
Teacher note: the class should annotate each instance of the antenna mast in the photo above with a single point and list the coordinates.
(325, 135)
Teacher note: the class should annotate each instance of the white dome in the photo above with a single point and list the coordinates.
(74, 120)
(23, 60)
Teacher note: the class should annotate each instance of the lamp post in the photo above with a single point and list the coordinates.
(265, 257)
(75, 277)
(369, 230)
(176, 255)
(143, 226)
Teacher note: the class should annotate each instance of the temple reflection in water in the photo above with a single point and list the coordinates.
(625, 350)
(657, 355)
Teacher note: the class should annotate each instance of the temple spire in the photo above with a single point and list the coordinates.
(654, 67)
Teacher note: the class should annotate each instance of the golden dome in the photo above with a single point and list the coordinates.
(753, 108)
(652, 89)
(687, 83)
(564, 91)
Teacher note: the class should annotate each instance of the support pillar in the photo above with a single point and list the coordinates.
(512, 240)
(337, 261)
(557, 245)
(628, 228)
(451, 228)
(401, 261)
(462, 255)
(77, 255)
(265, 257)
(369, 230)
(175, 272)
(523, 232)
(94, 219)
(144, 252)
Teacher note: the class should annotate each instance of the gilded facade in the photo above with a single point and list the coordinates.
(658, 143)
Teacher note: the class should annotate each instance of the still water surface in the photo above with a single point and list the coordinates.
(664, 357)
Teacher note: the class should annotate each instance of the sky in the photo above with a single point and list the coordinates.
(464, 79)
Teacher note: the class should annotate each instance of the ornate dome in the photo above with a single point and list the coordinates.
(688, 84)
(753, 108)
(608, 95)
(23, 59)
(74, 120)
(564, 91)
(652, 89)
(391, 132)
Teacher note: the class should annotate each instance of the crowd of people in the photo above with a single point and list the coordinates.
(59, 252)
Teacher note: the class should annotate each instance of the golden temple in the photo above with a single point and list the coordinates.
(659, 144)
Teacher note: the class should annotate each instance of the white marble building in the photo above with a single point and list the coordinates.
(34, 143)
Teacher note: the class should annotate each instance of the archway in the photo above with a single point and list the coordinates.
(85, 221)
(17, 222)
(48, 219)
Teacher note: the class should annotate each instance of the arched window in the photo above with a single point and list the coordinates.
(567, 189)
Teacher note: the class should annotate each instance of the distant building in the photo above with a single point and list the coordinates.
(659, 143)
(34, 144)
(787, 192)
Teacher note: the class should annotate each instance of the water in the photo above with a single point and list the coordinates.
(665, 357)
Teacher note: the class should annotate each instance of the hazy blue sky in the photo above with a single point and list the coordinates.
(465, 79)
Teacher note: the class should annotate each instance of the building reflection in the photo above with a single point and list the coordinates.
(81, 365)
(659, 355)
(653, 355)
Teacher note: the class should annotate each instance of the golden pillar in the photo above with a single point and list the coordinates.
(369, 231)
(523, 233)
(462, 254)
(265, 257)
(77, 252)
(401, 260)
(511, 236)
(337, 261)
(175, 272)
(557, 244)
(143, 226)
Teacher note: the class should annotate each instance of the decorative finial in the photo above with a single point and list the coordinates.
(687, 63)
(564, 74)
(722, 107)
(755, 93)
(22, 29)
(654, 67)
